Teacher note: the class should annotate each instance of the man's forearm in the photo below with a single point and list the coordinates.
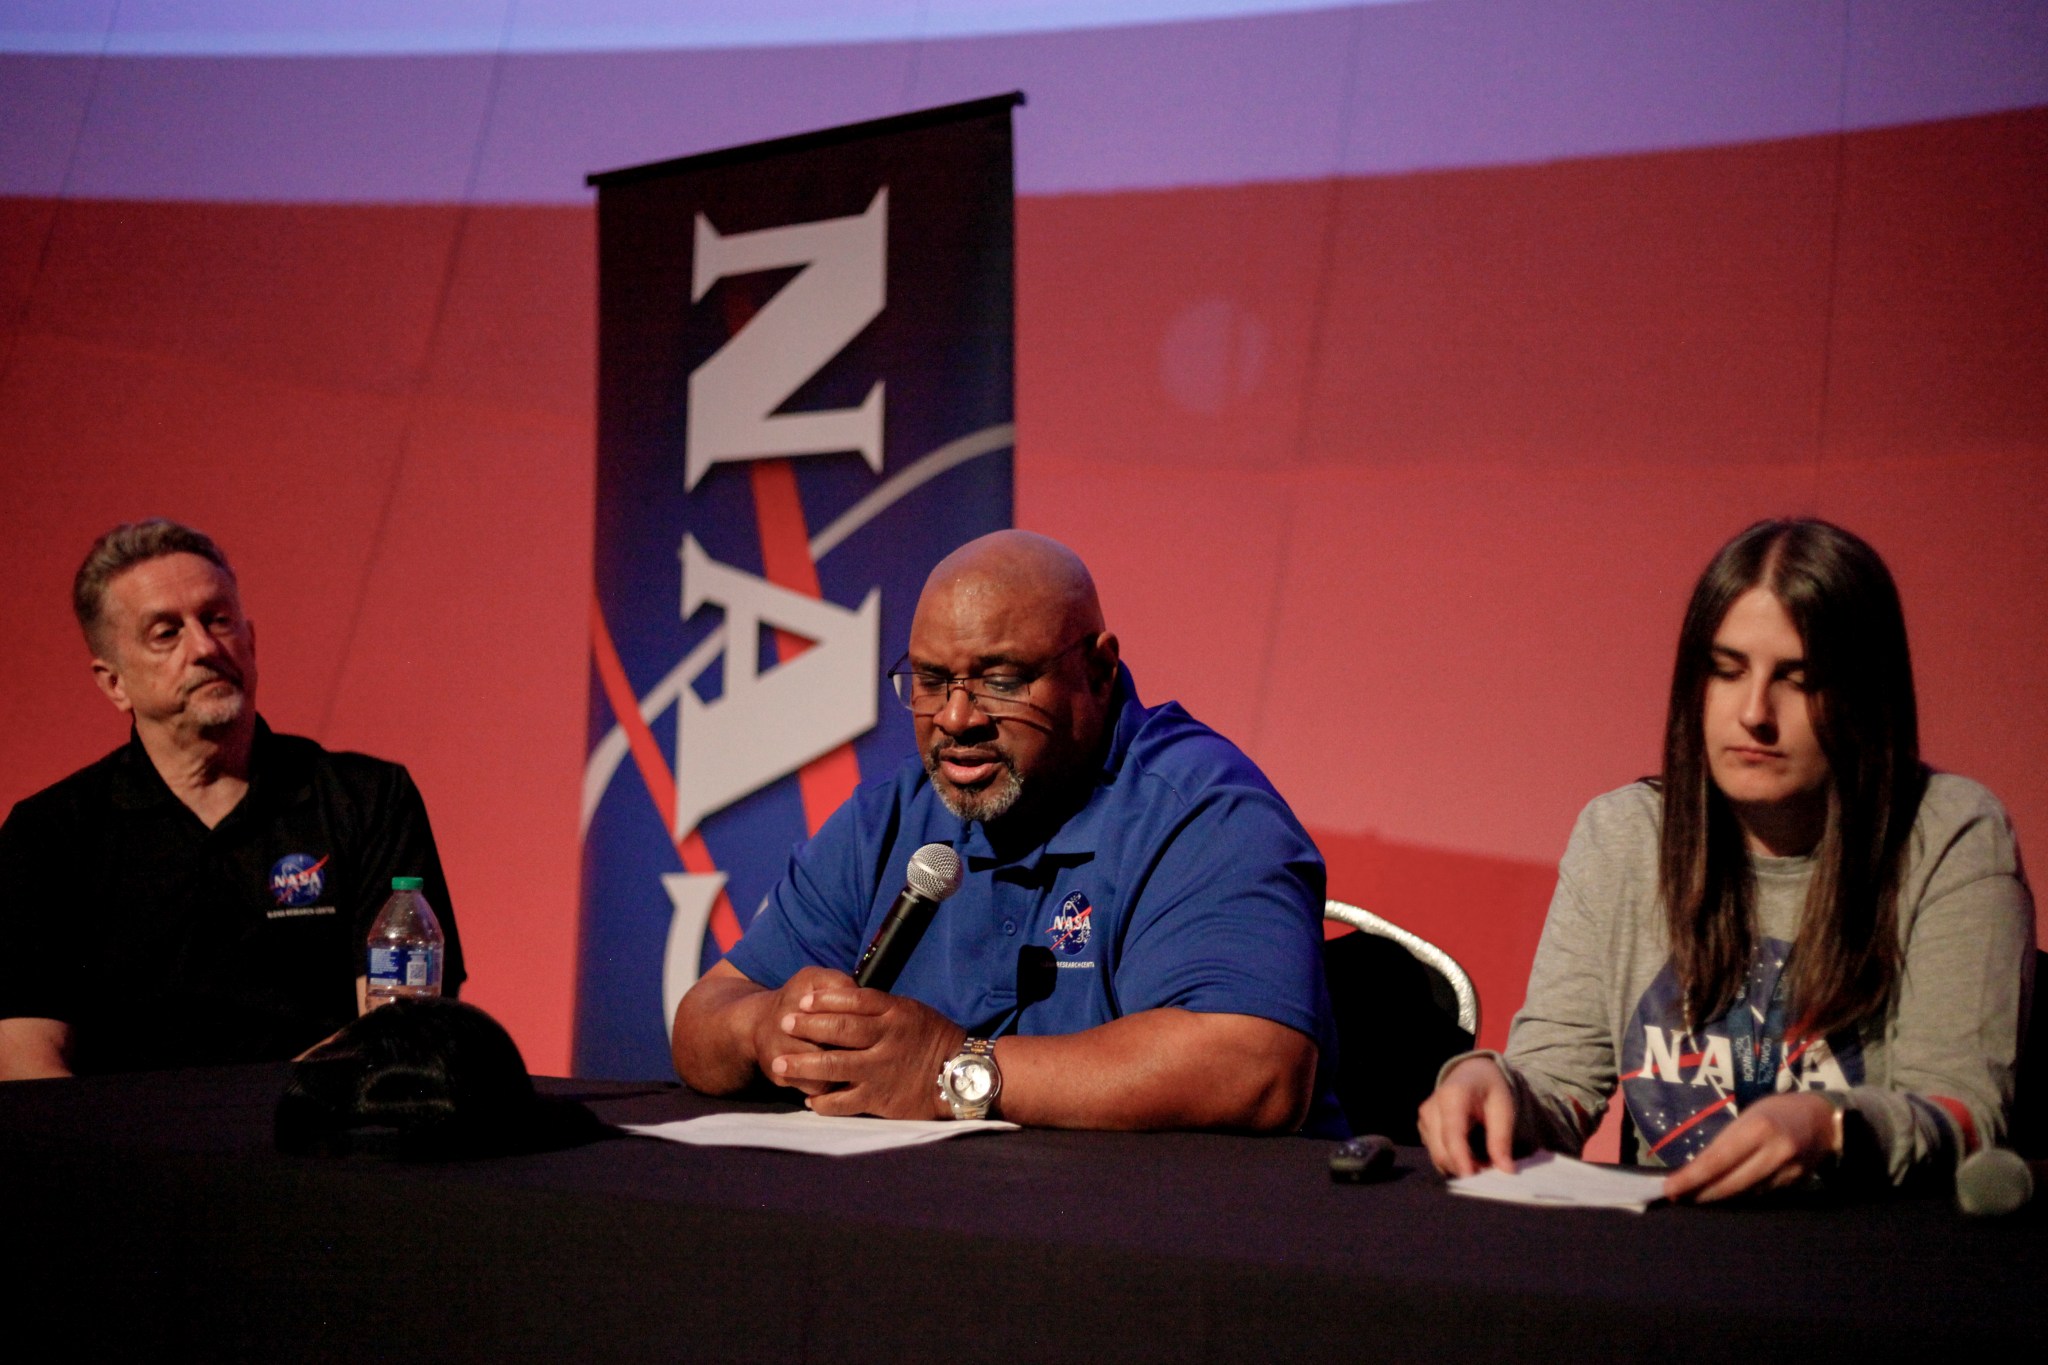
(34, 1049)
(713, 1040)
(1162, 1069)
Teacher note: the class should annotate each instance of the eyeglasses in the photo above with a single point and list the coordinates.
(1004, 693)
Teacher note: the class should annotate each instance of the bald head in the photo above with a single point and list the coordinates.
(1020, 570)
(1016, 614)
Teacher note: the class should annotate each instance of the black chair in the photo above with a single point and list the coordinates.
(1403, 1007)
(2029, 1135)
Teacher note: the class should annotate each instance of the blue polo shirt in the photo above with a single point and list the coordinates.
(1185, 882)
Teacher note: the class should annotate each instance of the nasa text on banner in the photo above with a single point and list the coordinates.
(804, 402)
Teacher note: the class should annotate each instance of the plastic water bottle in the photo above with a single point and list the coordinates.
(406, 946)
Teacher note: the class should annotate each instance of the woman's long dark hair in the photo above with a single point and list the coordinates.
(1859, 683)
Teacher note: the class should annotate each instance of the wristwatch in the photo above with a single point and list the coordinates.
(1853, 1159)
(970, 1080)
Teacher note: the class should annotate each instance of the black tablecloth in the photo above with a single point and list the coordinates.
(150, 1218)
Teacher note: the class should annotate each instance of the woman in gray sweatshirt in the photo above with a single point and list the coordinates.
(1797, 952)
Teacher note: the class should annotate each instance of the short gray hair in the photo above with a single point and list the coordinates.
(120, 550)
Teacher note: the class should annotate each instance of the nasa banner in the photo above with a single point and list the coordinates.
(804, 402)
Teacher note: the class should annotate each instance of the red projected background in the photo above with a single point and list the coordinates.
(1395, 426)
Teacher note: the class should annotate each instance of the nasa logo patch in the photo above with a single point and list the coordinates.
(295, 879)
(1681, 1083)
(1070, 926)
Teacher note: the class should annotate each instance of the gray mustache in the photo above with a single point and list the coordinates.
(227, 675)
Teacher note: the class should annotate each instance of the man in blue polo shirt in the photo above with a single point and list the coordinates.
(1137, 939)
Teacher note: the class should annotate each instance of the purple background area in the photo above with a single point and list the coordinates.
(1368, 90)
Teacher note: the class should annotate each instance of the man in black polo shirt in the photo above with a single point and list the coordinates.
(202, 894)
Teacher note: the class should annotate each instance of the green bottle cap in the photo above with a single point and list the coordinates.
(407, 883)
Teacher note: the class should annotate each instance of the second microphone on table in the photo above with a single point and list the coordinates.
(933, 875)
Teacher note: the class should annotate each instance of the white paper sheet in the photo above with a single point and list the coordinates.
(822, 1134)
(1562, 1182)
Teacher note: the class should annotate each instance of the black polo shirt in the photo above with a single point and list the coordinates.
(165, 943)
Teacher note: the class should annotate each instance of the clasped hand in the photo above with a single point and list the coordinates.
(851, 1050)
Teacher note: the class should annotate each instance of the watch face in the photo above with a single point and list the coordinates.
(972, 1080)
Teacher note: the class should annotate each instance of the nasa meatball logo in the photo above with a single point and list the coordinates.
(295, 879)
(1070, 926)
(1680, 1083)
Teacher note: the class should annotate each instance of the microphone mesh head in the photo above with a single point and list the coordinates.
(934, 872)
(1994, 1182)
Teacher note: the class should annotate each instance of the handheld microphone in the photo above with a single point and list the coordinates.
(933, 875)
(1993, 1182)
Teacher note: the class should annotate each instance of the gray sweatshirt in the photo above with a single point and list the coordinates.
(1926, 1083)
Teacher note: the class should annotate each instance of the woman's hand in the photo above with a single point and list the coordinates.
(1474, 1093)
(1775, 1142)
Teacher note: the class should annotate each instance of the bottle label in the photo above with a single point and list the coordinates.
(405, 967)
